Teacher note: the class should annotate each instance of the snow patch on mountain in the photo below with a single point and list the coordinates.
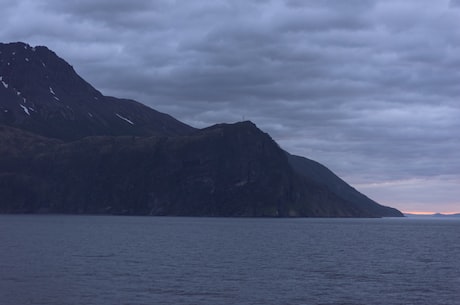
(3, 83)
(26, 110)
(124, 119)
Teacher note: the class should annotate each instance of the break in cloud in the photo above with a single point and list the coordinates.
(369, 88)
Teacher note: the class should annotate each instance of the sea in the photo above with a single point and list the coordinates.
(109, 260)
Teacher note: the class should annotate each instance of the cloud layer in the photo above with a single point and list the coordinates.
(369, 88)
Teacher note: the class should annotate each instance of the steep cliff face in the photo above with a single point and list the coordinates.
(223, 170)
(66, 148)
(42, 93)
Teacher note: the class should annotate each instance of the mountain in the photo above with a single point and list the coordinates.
(222, 170)
(448, 215)
(126, 158)
(42, 93)
(440, 215)
(319, 174)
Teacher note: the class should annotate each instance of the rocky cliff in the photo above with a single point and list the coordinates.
(223, 170)
(66, 148)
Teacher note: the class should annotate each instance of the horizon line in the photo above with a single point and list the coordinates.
(429, 213)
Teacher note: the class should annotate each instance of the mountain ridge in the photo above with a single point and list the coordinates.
(42, 93)
(126, 158)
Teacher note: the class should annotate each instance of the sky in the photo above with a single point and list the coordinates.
(369, 88)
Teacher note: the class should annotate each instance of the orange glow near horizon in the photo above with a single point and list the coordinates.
(429, 213)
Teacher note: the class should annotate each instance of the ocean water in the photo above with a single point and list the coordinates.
(108, 260)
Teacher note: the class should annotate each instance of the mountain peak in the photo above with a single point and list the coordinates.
(19, 46)
(38, 73)
(42, 93)
(223, 170)
(15, 46)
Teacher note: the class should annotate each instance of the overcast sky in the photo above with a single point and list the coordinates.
(369, 88)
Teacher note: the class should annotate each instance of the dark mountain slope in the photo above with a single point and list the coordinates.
(41, 93)
(223, 170)
(66, 148)
(318, 173)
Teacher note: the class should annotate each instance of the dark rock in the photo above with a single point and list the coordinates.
(318, 173)
(223, 170)
(42, 93)
(66, 148)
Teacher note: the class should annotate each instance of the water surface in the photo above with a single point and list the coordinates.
(106, 260)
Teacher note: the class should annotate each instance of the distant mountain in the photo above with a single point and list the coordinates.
(446, 215)
(66, 148)
(42, 93)
(433, 215)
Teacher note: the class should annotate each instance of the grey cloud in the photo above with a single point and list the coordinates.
(350, 5)
(101, 10)
(367, 87)
(110, 6)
